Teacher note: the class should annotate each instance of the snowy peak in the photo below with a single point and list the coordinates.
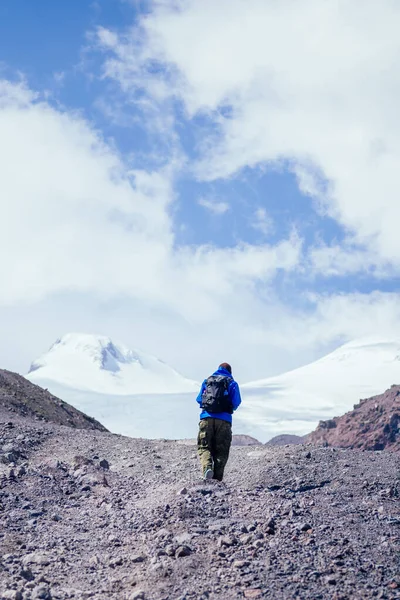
(360, 361)
(292, 402)
(98, 349)
(95, 363)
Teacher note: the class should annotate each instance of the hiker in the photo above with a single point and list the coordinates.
(219, 396)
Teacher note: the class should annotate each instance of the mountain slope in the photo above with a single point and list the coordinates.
(294, 402)
(374, 424)
(21, 397)
(94, 363)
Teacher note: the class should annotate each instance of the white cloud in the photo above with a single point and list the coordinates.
(75, 220)
(216, 207)
(261, 221)
(74, 217)
(345, 260)
(311, 83)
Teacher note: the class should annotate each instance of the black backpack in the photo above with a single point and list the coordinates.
(215, 398)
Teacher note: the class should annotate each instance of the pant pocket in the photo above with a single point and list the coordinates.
(202, 441)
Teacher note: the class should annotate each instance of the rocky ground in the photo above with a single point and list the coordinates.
(88, 514)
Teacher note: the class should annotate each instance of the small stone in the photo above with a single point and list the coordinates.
(182, 492)
(104, 464)
(41, 592)
(252, 593)
(227, 540)
(8, 448)
(138, 595)
(138, 558)
(183, 538)
(8, 557)
(240, 564)
(163, 533)
(305, 527)
(183, 551)
(170, 550)
(246, 538)
(116, 562)
(35, 558)
(56, 518)
(27, 574)
(36, 513)
(11, 595)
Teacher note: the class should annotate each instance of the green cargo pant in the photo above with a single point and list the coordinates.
(213, 445)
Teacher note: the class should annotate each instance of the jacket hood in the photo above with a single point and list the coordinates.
(223, 372)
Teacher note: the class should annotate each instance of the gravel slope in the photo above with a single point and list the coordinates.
(87, 514)
(18, 396)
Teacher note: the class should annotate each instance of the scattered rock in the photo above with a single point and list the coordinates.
(252, 593)
(183, 551)
(227, 541)
(41, 592)
(183, 538)
(138, 595)
(249, 537)
(11, 595)
(27, 574)
(117, 562)
(137, 558)
(240, 564)
(36, 558)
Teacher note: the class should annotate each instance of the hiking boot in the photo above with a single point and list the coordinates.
(209, 474)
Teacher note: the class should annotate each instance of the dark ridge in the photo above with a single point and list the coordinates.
(21, 397)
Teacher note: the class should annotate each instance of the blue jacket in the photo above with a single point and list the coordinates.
(234, 394)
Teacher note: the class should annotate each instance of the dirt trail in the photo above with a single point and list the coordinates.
(86, 514)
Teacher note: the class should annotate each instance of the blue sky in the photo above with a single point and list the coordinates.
(51, 40)
(244, 156)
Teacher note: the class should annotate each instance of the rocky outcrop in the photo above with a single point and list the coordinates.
(285, 438)
(374, 424)
(244, 440)
(18, 396)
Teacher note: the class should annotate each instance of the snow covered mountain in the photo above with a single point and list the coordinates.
(94, 363)
(138, 395)
(295, 401)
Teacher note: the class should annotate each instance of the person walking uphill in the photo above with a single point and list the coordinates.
(219, 397)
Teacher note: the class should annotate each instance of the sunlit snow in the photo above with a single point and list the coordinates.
(139, 396)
